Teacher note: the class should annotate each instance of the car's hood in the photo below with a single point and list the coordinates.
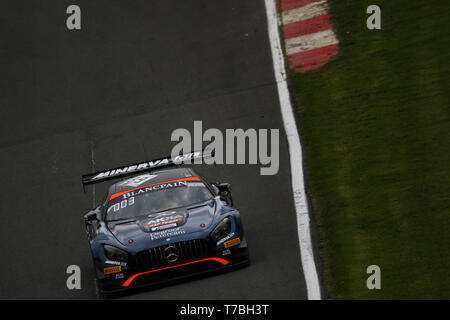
(164, 225)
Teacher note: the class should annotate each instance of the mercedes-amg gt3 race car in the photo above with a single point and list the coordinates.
(162, 225)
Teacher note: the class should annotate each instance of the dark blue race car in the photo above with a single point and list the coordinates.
(162, 225)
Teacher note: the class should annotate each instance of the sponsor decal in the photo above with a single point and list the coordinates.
(226, 252)
(110, 270)
(232, 243)
(133, 168)
(164, 220)
(164, 226)
(119, 276)
(147, 165)
(150, 188)
(117, 263)
(167, 233)
(228, 237)
(196, 184)
(137, 181)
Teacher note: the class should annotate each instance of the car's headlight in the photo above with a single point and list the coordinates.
(115, 254)
(222, 230)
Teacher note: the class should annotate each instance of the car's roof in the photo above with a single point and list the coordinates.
(152, 177)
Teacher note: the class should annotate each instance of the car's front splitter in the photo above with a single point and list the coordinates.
(238, 256)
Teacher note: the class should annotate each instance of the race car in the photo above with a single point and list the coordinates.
(162, 225)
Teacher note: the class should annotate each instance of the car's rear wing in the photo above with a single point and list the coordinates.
(135, 168)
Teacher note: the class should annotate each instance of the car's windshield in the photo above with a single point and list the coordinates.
(163, 197)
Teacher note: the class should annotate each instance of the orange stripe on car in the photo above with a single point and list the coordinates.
(130, 279)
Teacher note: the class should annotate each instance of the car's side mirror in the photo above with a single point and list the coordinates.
(224, 186)
(225, 192)
(91, 215)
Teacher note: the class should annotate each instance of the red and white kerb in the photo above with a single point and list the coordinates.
(308, 33)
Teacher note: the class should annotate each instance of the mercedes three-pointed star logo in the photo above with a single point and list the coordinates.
(171, 254)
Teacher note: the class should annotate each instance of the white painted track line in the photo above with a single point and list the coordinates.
(295, 155)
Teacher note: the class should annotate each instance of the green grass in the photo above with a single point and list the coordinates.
(375, 128)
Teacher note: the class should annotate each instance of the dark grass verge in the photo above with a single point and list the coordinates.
(375, 129)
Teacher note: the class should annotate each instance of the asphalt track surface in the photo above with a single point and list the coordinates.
(110, 94)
